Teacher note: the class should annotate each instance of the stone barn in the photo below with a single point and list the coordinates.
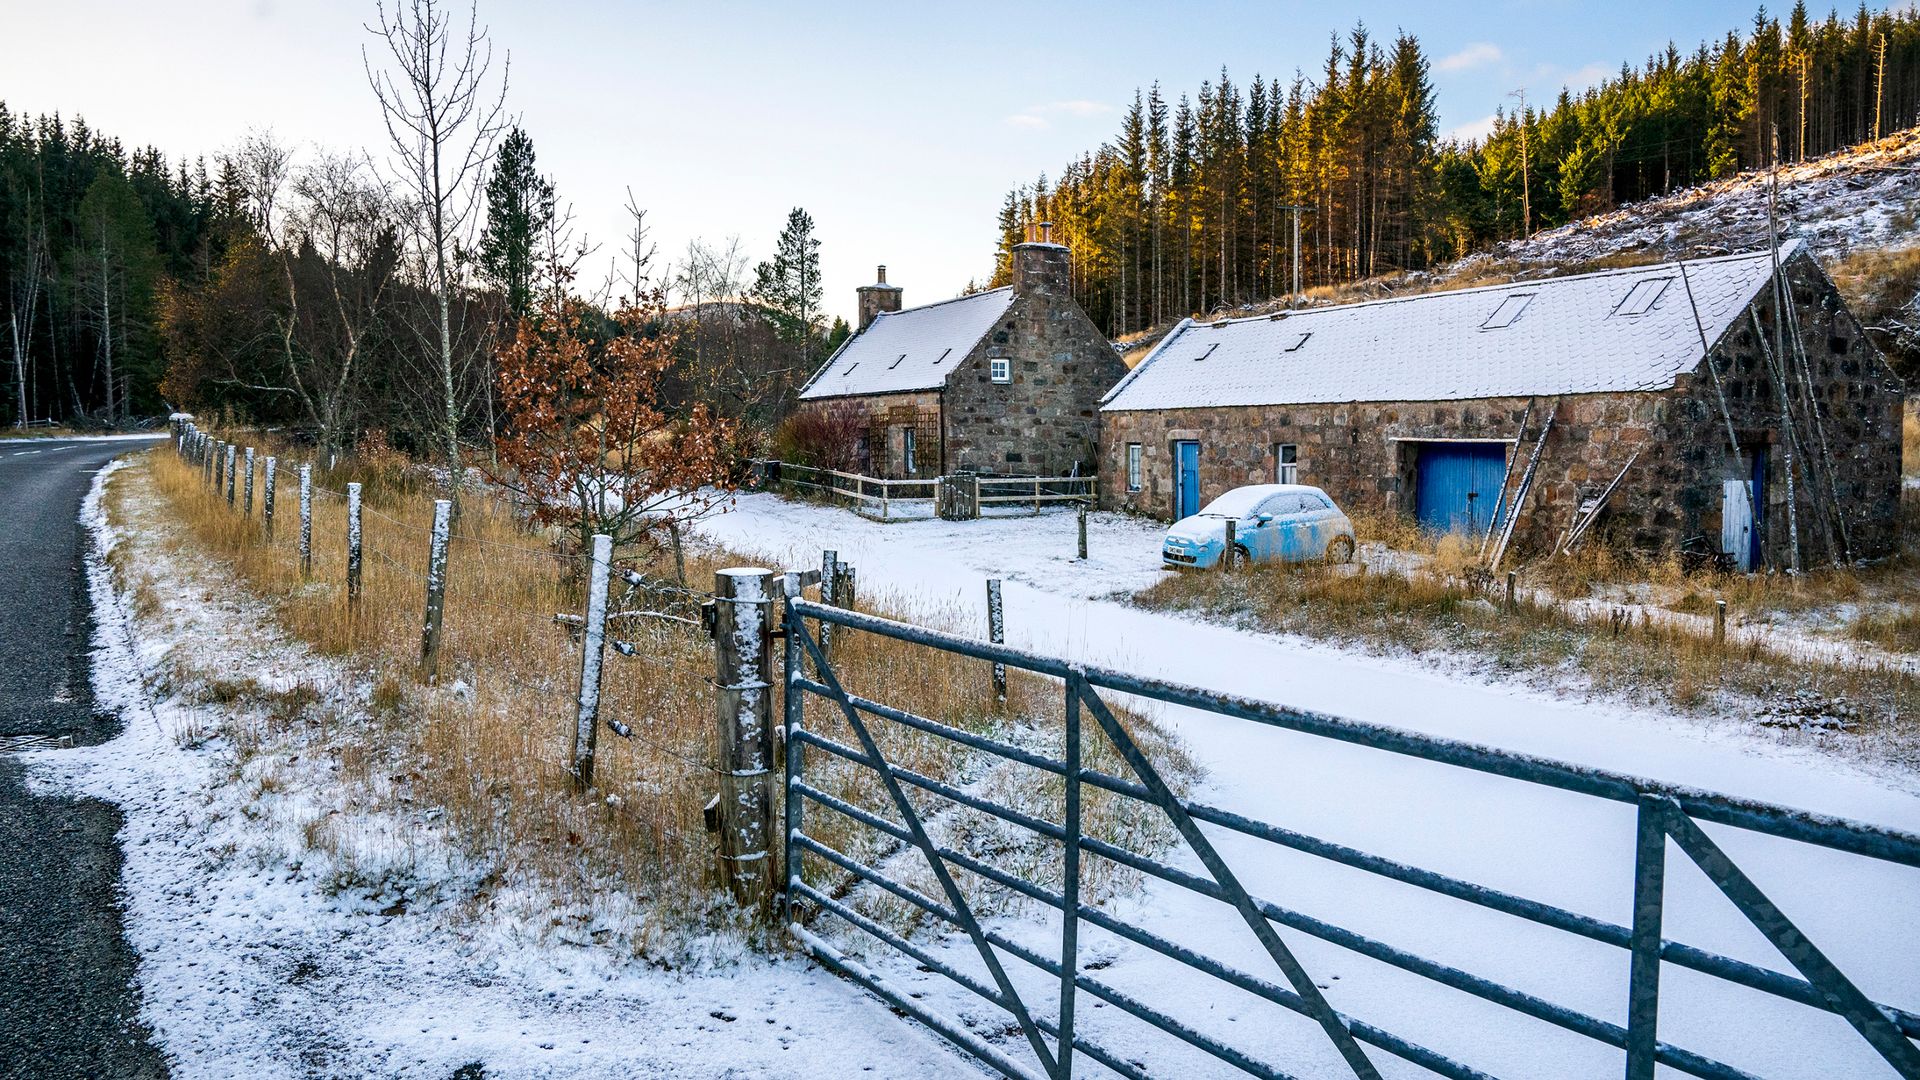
(1742, 432)
(1005, 382)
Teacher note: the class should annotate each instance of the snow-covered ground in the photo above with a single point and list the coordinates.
(252, 966)
(1572, 851)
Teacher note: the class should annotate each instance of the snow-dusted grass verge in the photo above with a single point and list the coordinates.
(291, 922)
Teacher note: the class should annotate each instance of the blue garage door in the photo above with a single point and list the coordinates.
(1458, 486)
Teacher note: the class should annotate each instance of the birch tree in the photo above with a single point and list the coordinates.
(443, 114)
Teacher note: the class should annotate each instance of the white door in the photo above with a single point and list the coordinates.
(1736, 522)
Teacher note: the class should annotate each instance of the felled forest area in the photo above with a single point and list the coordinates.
(1189, 209)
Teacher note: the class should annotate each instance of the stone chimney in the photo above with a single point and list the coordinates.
(1041, 267)
(876, 298)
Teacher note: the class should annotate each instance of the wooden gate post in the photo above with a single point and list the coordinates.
(246, 501)
(353, 547)
(436, 588)
(997, 633)
(743, 710)
(586, 717)
(829, 594)
(266, 494)
(306, 520)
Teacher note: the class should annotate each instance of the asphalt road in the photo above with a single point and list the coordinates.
(68, 1003)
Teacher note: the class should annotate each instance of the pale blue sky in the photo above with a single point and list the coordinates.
(900, 127)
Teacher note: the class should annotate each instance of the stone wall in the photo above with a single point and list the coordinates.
(1362, 454)
(1045, 421)
(885, 445)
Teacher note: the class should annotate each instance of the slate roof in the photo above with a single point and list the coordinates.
(915, 349)
(1570, 335)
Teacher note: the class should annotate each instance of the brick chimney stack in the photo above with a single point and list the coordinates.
(877, 298)
(1042, 267)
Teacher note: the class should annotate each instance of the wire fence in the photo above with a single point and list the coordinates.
(497, 628)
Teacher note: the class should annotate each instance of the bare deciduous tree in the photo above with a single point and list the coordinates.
(442, 116)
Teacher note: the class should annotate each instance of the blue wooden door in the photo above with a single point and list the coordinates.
(1186, 479)
(1457, 488)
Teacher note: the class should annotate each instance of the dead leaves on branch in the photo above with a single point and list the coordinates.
(589, 442)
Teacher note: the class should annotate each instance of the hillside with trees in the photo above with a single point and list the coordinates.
(1188, 208)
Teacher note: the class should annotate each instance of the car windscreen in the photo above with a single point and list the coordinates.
(1238, 503)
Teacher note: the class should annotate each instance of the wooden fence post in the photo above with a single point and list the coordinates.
(232, 479)
(219, 463)
(586, 718)
(1513, 580)
(206, 461)
(1083, 531)
(1719, 622)
(1227, 552)
(829, 594)
(997, 633)
(436, 589)
(266, 494)
(743, 695)
(306, 520)
(353, 547)
(246, 501)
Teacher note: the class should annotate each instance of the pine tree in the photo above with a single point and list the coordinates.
(520, 210)
(788, 285)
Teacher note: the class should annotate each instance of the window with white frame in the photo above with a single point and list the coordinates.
(1001, 368)
(1133, 467)
(1286, 468)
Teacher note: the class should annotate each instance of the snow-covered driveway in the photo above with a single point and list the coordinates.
(1564, 849)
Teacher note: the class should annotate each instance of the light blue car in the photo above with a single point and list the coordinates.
(1271, 522)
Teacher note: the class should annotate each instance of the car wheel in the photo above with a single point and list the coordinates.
(1340, 549)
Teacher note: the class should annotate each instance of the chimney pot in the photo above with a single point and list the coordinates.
(1046, 232)
(883, 273)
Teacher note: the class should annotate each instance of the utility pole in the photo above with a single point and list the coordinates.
(1879, 83)
(1295, 211)
(1526, 169)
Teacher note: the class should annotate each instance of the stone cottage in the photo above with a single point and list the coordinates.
(1005, 382)
(1415, 406)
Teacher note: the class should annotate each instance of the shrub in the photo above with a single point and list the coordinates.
(823, 437)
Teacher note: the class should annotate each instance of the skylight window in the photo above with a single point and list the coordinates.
(1509, 310)
(1208, 353)
(1641, 298)
(1302, 340)
(895, 364)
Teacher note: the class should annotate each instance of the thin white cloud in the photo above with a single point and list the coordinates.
(1076, 108)
(1477, 131)
(1478, 54)
(1036, 117)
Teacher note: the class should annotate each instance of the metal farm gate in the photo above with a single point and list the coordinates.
(1049, 1044)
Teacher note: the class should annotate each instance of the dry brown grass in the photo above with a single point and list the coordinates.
(1871, 707)
(486, 743)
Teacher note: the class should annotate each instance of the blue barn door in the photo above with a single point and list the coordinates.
(1186, 479)
(1457, 486)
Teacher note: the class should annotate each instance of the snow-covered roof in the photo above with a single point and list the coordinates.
(1616, 330)
(915, 349)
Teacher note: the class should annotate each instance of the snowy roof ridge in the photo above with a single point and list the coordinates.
(912, 349)
(1562, 335)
